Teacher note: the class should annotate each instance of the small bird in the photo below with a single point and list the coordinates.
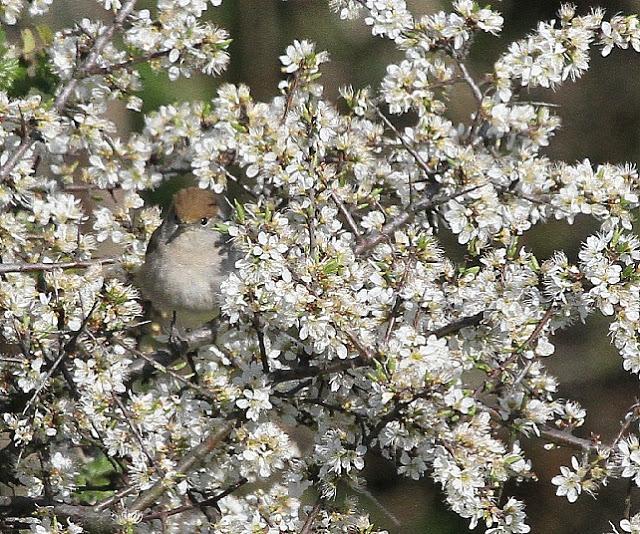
(185, 261)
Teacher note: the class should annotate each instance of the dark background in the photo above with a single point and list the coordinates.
(600, 116)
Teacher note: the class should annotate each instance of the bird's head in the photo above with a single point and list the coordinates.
(192, 209)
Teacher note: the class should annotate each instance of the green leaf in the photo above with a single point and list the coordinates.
(240, 213)
(28, 41)
(45, 33)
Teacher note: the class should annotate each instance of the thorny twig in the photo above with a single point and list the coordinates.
(308, 522)
(31, 267)
(212, 501)
(191, 460)
(388, 229)
(405, 143)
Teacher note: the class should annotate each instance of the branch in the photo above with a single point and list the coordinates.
(473, 320)
(469, 79)
(193, 459)
(92, 59)
(44, 382)
(566, 439)
(25, 144)
(308, 523)
(406, 144)
(129, 419)
(158, 361)
(121, 494)
(108, 69)
(212, 501)
(631, 417)
(94, 522)
(30, 267)
(366, 357)
(298, 373)
(346, 214)
(264, 359)
(405, 218)
(553, 435)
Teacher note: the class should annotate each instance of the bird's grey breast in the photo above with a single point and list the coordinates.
(186, 272)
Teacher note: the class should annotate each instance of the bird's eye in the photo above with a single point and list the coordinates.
(204, 221)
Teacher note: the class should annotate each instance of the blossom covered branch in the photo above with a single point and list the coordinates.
(343, 313)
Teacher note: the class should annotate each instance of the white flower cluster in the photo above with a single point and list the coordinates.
(631, 526)
(12, 10)
(343, 314)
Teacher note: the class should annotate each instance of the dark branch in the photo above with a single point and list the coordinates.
(405, 218)
(94, 522)
(212, 501)
(192, 459)
(30, 267)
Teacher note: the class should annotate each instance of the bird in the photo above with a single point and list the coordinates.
(185, 261)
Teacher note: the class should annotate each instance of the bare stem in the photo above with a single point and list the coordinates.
(193, 458)
(560, 437)
(405, 143)
(308, 522)
(406, 217)
(346, 214)
(469, 79)
(264, 359)
(30, 267)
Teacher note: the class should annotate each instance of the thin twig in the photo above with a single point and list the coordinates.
(44, 382)
(551, 435)
(207, 502)
(452, 328)
(30, 267)
(365, 353)
(567, 440)
(192, 459)
(632, 416)
(469, 79)
(346, 214)
(128, 417)
(388, 229)
(397, 302)
(627, 499)
(540, 327)
(308, 523)
(263, 350)
(311, 218)
(108, 69)
(25, 144)
(163, 369)
(405, 143)
(290, 95)
(311, 371)
(121, 494)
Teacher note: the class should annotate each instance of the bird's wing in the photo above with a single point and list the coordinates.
(154, 241)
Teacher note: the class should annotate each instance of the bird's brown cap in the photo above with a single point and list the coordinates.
(193, 204)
